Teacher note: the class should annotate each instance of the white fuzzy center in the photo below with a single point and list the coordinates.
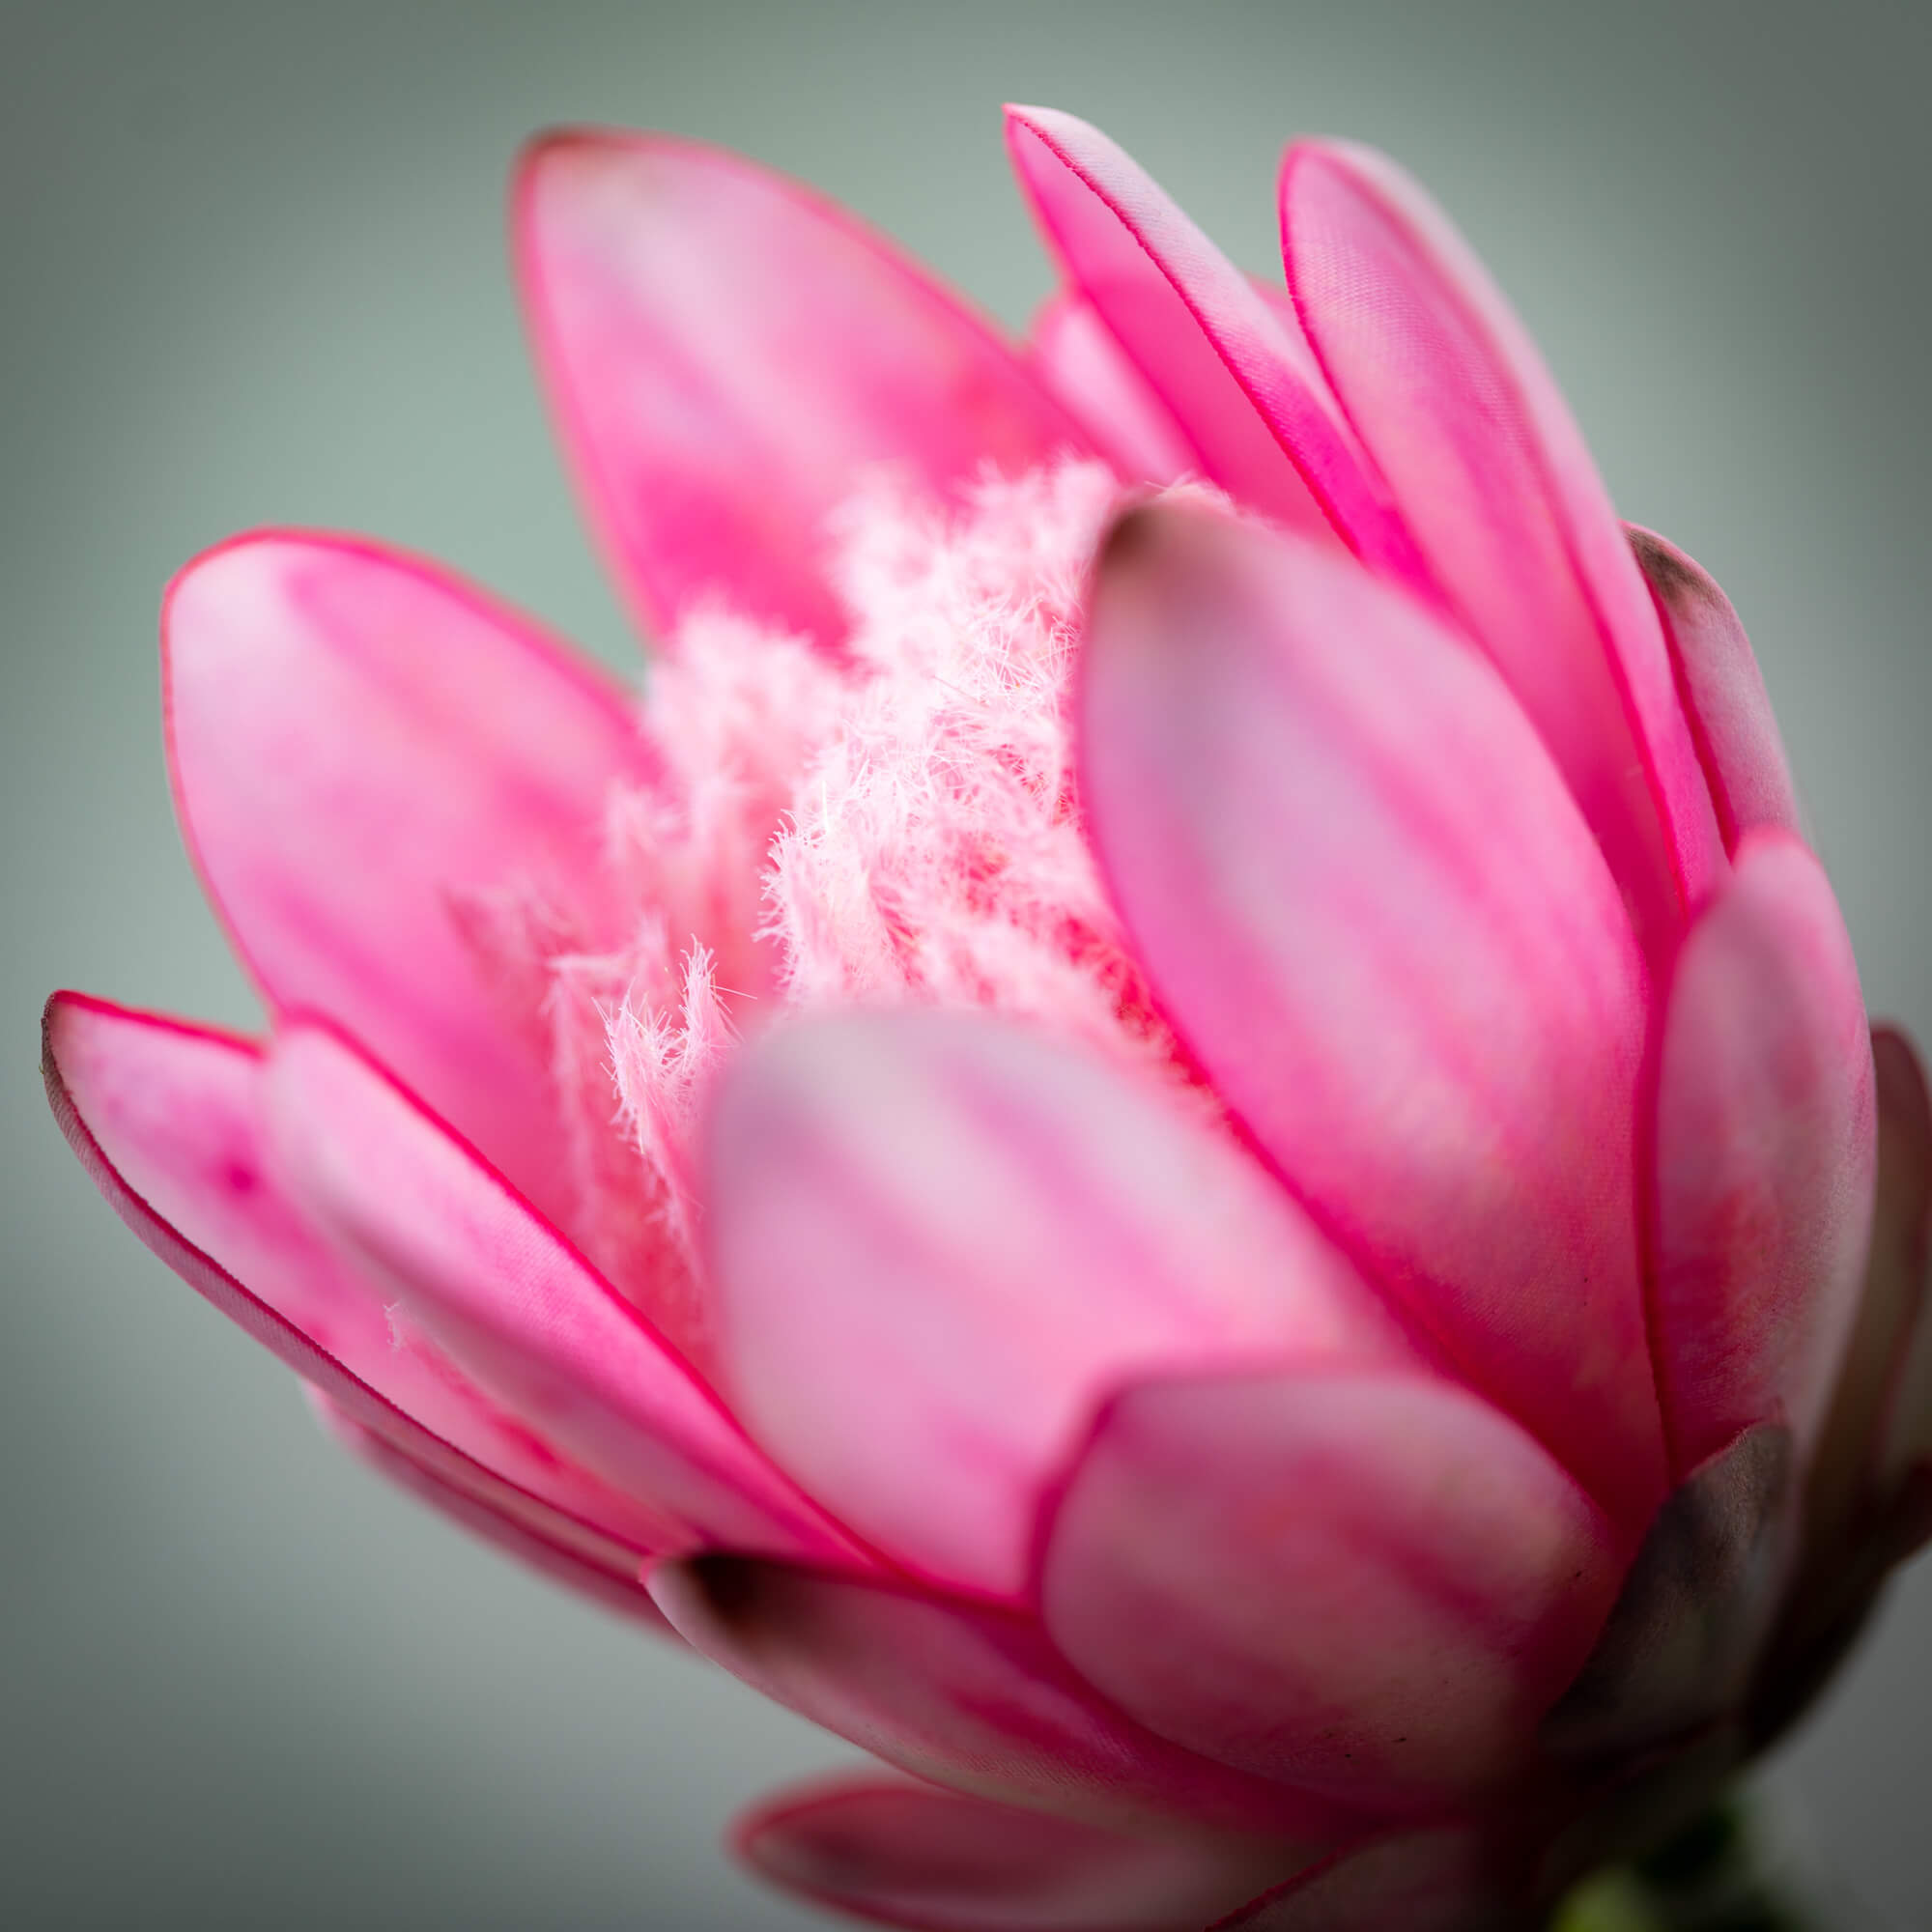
(900, 826)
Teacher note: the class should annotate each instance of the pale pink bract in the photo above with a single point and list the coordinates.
(1180, 1134)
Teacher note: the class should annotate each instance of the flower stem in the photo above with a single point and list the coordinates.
(1710, 1878)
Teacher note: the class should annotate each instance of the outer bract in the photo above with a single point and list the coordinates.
(1179, 1132)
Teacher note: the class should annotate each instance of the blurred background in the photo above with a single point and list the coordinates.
(254, 272)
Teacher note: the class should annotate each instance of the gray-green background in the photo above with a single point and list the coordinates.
(251, 270)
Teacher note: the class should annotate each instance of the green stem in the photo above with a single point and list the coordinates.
(1710, 1878)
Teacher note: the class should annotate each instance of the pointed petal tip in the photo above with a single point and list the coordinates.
(202, 570)
(53, 1010)
(547, 144)
(1020, 113)
(1076, 142)
(1224, 359)
(1054, 129)
(185, 574)
(563, 139)
(728, 351)
(1460, 412)
(372, 560)
(1131, 539)
(66, 1008)
(55, 1017)
(1155, 533)
(1369, 170)
(1721, 689)
(1342, 151)
(545, 159)
(566, 144)
(1368, 167)
(272, 536)
(1900, 1052)
(1162, 557)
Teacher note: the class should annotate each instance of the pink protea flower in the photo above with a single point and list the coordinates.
(1180, 1134)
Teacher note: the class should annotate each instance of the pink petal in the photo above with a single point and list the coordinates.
(1722, 691)
(907, 1855)
(1902, 1252)
(1888, 1364)
(1693, 1613)
(1373, 913)
(727, 353)
(359, 746)
(1765, 1156)
(502, 1292)
(1439, 1881)
(1454, 403)
(619, 1591)
(1229, 366)
(1372, 1585)
(940, 1240)
(970, 1697)
(1079, 360)
(170, 1122)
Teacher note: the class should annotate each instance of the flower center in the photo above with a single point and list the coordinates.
(896, 825)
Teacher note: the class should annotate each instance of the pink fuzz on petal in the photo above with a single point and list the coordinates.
(774, 830)
(638, 1007)
(900, 826)
(934, 850)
